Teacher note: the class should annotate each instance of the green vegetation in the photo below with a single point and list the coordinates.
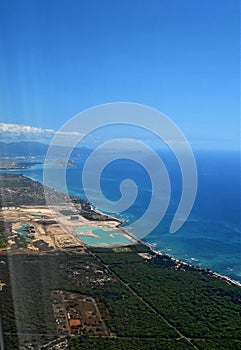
(121, 249)
(130, 344)
(18, 190)
(137, 248)
(131, 318)
(34, 277)
(3, 241)
(140, 294)
(5, 228)
(23, 242)
(203, 308)
(200, 306)
(218, 344)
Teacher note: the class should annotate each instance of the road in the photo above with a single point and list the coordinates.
(149, 306)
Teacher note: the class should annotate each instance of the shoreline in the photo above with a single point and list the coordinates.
(207, 270)
(134, 239)
(105, 214)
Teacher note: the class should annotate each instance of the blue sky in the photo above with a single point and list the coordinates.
(181, 57)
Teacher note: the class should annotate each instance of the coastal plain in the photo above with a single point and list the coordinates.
(42, 228)
(57, 292)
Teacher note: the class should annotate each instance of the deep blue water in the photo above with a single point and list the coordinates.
(210, 237)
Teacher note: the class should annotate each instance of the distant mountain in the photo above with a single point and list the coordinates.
(18, 149)
(36, 149)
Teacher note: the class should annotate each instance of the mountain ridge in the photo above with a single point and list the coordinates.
(33, 148)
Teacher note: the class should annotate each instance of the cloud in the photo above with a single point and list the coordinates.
(19, 132)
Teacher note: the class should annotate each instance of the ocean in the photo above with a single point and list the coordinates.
(211, 236)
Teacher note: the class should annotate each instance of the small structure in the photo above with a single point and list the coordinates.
(74, 217)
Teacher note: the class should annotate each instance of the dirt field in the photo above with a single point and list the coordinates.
(41, 228)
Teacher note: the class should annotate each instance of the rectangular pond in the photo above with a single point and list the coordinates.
(102, 236)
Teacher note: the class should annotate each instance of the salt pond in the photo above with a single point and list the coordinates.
(102, 236)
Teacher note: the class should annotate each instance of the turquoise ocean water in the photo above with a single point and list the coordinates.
(211, 236)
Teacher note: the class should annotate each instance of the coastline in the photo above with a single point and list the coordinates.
(207, 270)
(177, 261)
(134, 239)
(105, 214)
